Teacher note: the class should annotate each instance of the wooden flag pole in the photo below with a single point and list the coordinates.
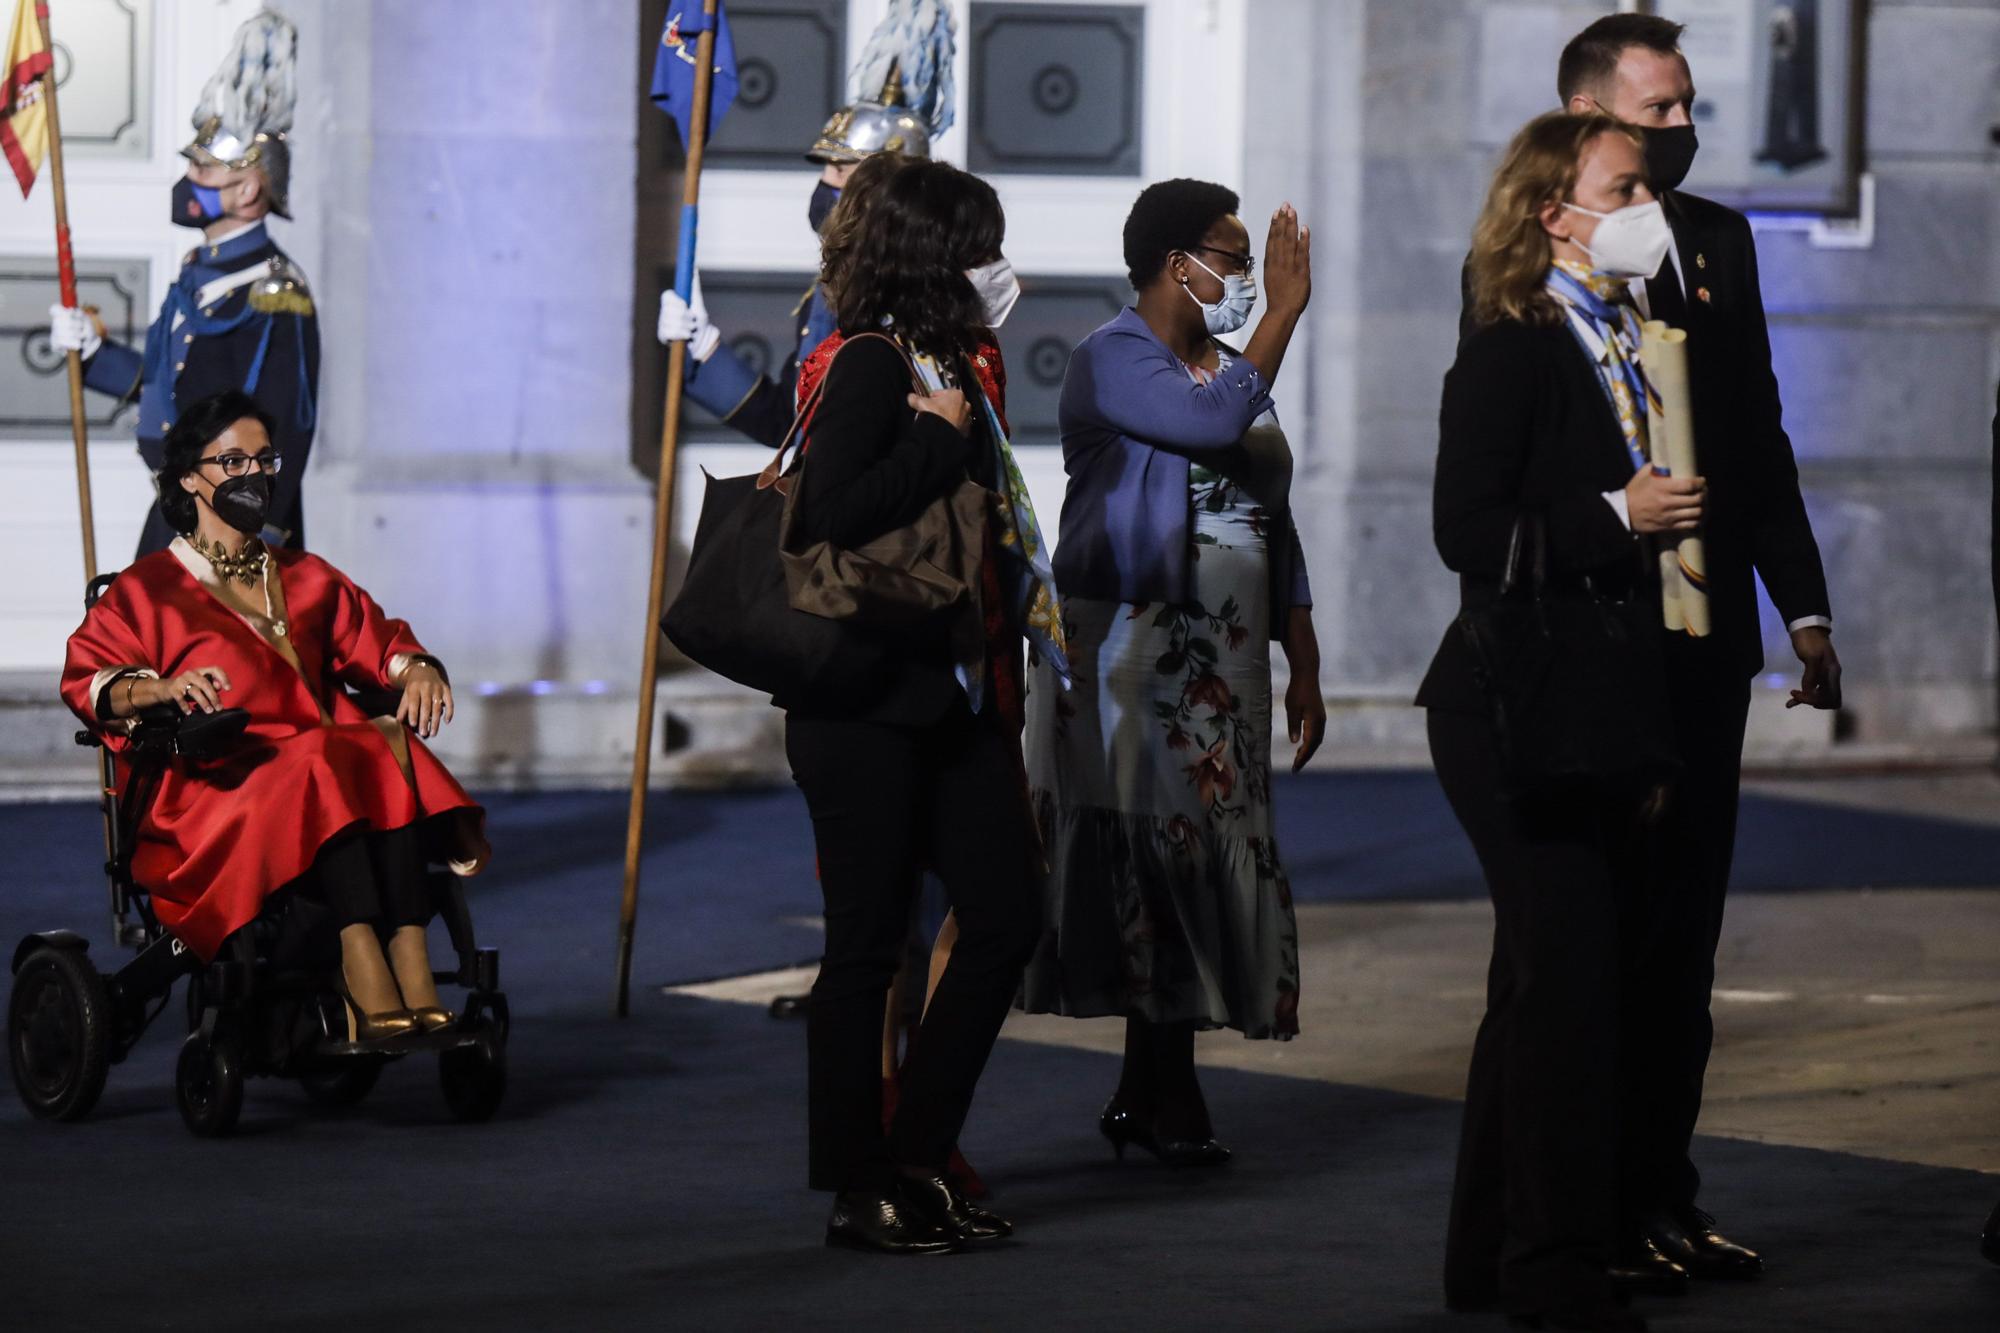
(663, 512)
(66, 277)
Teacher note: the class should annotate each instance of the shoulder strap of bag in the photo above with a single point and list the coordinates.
(1527, 563)
(776, 467)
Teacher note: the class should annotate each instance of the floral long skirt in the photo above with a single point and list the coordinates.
(1151, 780)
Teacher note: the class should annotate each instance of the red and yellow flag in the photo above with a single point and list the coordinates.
(24, 119)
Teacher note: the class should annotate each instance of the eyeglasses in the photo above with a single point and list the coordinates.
(1245, 264)
(238, 465)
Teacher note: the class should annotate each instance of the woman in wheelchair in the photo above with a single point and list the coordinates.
(317, 797)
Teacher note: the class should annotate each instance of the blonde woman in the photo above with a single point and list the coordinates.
(1545, 410)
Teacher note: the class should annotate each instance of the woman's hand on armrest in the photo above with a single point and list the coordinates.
(202, 688)
(426, 704)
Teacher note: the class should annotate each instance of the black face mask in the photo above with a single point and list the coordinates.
(1669, 154)
(824, 198)
(196, 205)
(242, 502)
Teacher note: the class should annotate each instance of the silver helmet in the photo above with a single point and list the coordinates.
(904, 98)
(247, 105)
(864, 127)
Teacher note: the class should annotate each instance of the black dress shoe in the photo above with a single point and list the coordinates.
(884, 1223)
(1121, 1127)
(1690, 1239)
(937, 1201)
(1644, 1271)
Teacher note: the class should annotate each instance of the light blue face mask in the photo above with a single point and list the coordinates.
(1232, 312)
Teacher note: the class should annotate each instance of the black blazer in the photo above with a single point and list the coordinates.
(1756, 518)
(1525, 421)
(873, 464)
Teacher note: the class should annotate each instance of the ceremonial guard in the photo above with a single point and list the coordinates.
(240, 315)
(758, 405)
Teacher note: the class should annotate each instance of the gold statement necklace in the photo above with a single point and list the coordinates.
(250, 566)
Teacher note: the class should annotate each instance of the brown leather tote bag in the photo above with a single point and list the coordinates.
(906, 577)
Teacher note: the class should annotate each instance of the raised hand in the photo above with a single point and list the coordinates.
(1287, 263)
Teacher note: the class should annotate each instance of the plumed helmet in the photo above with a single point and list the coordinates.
(247, 105)
(903, 98)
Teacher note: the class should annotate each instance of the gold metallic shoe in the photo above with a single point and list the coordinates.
(385, 1026)
(433, 1018)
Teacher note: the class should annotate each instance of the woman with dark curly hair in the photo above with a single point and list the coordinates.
(924, 769)
(1179, 563)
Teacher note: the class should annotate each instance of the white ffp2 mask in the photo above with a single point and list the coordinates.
(1631, 242)
(998, 290)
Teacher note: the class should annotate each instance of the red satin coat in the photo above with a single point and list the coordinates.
(219, 837)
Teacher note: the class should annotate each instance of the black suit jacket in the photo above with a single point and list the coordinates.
(873, 464)
(1524, 422)
(1756, 518)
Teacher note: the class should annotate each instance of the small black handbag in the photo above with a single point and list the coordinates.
(1574, 680)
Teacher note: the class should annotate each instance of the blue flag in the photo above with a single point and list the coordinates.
(673, 68)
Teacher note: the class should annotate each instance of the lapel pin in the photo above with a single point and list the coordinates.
(1701, 261)
(1702, 293)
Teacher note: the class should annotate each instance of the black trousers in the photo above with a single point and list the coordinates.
(375, 879)
(887, 801)
(1552, 1151)
(1710, 704)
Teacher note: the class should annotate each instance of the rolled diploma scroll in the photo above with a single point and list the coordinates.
(1670, 436)
(1656, 444)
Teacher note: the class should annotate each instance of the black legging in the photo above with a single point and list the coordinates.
(373, 879)
(885, 801)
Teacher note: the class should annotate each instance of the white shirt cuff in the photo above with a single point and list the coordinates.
(1620, 507)
(1810, 622)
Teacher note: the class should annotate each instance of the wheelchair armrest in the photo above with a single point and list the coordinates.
(377, 703)
(165, 730)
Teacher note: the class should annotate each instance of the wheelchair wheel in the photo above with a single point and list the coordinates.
(474, 1078)
(208, 1083)
(59, 1033)
(342, 1084)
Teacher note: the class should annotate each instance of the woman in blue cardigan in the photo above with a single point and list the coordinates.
(1178, 564)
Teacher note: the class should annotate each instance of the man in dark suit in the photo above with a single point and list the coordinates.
(1630, 66)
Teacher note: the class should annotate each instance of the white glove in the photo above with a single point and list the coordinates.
(687, 321)
(71, 329)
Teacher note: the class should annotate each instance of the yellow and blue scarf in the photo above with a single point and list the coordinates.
(1606, 304)
(1026, 579)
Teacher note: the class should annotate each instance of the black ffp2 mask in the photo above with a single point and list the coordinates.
(242, 502)
(824, 198)
(1669, 154)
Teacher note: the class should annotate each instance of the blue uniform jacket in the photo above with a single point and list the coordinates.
(238, 317)
(760, 406)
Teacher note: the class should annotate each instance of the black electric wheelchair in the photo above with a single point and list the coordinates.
(266, 1005)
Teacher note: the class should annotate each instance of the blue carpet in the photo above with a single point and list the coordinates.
(727, 880)
(648, 1174)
